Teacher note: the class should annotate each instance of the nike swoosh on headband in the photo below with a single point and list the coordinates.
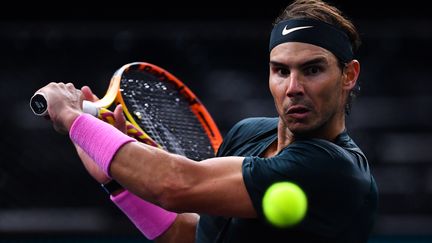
(286, 31)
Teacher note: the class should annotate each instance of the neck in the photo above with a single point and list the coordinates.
(328, 131)
(284, 138)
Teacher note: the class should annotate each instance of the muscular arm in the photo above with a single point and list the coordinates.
(176, 183)
(213, 186)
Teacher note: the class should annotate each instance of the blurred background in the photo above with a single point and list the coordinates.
(221, 53)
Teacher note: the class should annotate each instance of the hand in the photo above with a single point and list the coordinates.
(120, 123)
(119, 118)
(64, 104)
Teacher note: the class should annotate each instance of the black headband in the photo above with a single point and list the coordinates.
(313, 32)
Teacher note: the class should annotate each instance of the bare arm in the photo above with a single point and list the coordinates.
(213, 186)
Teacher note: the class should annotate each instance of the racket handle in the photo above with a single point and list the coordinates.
(39, 105)
(90, 108)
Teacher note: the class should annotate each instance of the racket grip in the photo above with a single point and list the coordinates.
(39, 105)
(90, 108)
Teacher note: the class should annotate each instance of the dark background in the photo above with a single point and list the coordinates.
(221, 52)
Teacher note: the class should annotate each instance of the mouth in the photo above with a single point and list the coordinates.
(298, 111)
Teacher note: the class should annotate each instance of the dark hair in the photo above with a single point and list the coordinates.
(319, 10)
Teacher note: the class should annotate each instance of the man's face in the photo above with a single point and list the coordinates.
(307, 86)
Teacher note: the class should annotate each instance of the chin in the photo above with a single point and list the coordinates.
(302, 129)
(299, 129)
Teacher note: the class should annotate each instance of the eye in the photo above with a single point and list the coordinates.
(312, 70)
(283, 72)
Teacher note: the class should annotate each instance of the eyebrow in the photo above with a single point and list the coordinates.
(318, 60)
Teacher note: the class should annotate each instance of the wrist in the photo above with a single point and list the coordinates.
(69, 118)
(98, 139)
(112, 187)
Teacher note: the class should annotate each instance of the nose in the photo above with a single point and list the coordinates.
(295, 85)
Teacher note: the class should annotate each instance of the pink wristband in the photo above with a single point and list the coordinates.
(150, 219)
(98, 139)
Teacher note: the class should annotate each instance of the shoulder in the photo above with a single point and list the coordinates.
(318, 147)
(315, 151)
(252, 126)
(327, 155)
(256, 123)
(247, 130)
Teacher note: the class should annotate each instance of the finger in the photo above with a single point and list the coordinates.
(70, 86)
(120, 120)
(80, 97)
(71, 90)
(88, 94)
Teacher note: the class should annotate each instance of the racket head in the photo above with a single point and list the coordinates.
(107, 115)
(161, 105)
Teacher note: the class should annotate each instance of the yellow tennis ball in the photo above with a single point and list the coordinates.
(284, 204)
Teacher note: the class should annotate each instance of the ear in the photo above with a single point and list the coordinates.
(351, 73)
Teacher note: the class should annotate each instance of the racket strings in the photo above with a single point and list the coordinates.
(164, 113)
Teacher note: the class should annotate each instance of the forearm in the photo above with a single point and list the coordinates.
(152, 173)
(184, 227)
(181, 185)
(172, 181)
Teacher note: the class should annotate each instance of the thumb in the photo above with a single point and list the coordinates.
(119, 119)
(88, 94)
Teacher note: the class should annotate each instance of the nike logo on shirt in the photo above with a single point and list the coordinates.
(286, 31)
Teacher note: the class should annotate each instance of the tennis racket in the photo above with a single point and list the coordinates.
(160, 111)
